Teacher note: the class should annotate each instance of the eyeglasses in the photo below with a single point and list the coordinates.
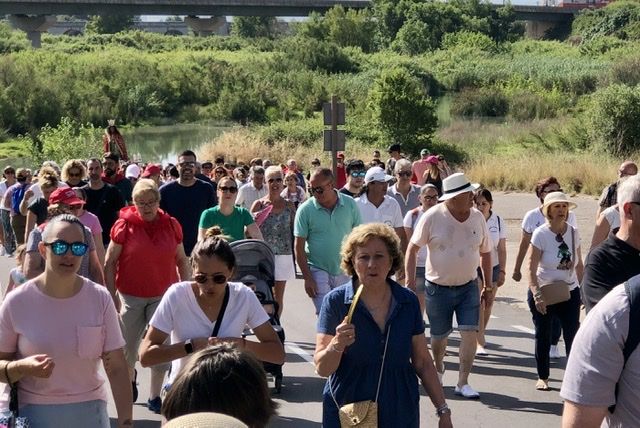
(145, 204)
(274, 180)
(186, 164)
(318, 190)
(230, 189)
(404, 174)
(430, 198)
(60, 247)
(217, 278)
(356, 174)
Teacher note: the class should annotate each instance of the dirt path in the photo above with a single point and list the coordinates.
(512, 207)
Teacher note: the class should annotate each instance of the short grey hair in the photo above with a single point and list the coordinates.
(426, 187)
(62, 218)
(629, 190)
(400, 164)
(273, 169)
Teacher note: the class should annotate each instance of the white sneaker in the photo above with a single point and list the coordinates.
(2, 250)
(554, 352)
(466, 391)
(481, 351)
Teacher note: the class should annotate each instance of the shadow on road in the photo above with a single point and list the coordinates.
(505, 402)
(139, 423)
(292, 422)
(296, 389)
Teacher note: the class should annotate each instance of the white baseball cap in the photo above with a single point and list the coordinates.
(376, 174)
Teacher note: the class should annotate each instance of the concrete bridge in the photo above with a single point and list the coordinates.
(37, 16)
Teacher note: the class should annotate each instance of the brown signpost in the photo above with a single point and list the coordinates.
(334, 138)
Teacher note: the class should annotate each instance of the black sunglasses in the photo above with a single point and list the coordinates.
(404, 174)
(319, 190)
(60, 247)
(230, 189)
(217, 278)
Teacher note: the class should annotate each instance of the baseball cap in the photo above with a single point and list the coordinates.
(424, 152)
(151, 169)
(132, 171)
(376, 174)
(65, 195)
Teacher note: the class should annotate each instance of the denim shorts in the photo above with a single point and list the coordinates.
(494, 275)
(443, 301)
(84, 414)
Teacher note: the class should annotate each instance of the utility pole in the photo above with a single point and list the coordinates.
(334, 138)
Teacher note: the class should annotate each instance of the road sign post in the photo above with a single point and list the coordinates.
(334, 138)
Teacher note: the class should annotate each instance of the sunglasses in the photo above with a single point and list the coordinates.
(274, 180)
(60, 247)
(217, 278)
(356, 174)
(230, 189)
(318, 190)
(404, 174)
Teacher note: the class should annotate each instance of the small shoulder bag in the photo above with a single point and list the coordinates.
(361, 414)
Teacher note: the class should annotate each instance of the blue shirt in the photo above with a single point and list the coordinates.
(356, 378)
(185, 204)
(325, 229)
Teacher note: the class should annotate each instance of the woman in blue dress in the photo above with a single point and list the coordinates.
(355, 355)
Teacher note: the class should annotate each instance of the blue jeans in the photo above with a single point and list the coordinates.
(568, 313)
(443, 301)
(85, 414)
(325, 282)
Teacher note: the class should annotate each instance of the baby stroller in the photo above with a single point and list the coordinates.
(255, 267)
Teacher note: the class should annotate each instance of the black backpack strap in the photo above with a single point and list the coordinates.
(225, 302)
(632, 288)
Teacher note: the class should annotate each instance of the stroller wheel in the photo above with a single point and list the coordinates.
(278, 383)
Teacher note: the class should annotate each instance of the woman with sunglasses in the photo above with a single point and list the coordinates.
(207, 311)
(62, 201)
(555, 256)
(54, 330)
(145, 256)
(234, 221)
(292, 191)
(274, 216)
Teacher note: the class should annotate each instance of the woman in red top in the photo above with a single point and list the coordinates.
(144, 258)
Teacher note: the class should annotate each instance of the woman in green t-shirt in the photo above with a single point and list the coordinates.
(236, 222)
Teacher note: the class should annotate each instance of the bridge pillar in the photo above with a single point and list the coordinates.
(205, 26)
(537, 29)
(34, 26)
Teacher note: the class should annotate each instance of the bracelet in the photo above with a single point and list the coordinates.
(333, 348)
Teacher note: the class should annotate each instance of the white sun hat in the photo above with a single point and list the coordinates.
(455, 184)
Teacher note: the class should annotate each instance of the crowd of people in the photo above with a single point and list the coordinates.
(125, 263)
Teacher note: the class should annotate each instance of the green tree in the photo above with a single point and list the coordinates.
(403, 110)
(254, 26)
(612, 119)
(109, 24)
(68, 140)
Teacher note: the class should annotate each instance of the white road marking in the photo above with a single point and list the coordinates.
(291, 346)
(493, 317)
(525, 329)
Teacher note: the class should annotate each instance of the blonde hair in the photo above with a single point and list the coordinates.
(48, 177)
(273, 169)
(73, 163)
(362, 234)
(145, 185)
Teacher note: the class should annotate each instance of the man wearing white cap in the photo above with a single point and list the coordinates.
(458, 241)
(377, 207)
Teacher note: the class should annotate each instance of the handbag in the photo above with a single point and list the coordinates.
(361, 414)
(558, 291)
(14, 420)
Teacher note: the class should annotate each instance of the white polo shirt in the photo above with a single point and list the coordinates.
(388, 212)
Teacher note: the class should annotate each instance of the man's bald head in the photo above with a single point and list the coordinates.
(627, 168)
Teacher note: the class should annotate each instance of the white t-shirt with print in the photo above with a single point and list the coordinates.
(497, 231)
(180, 315)
(534, 218)
(554, 262)
(612, 214)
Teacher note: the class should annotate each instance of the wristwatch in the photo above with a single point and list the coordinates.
(188, 346)
(443, 410)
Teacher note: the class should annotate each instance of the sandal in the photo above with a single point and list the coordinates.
(542, 385)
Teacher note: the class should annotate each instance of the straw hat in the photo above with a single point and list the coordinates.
(456, 184)
(205, 420)
(554, 198)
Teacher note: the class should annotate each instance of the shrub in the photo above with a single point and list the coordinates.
(469, 39)
(403, 110)
(613, 119)
(484, 102)
(68, 140)
(318, 55)
(626, 71)
(12, 40)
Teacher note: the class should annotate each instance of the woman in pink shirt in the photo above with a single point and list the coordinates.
(54, 330)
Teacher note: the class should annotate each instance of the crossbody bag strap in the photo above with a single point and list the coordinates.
(573, 250)
(225, 302)
(384, 355)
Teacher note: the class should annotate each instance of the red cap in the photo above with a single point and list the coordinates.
(65, 195)
(151, 169)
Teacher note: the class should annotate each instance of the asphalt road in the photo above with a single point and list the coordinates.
(505, 378)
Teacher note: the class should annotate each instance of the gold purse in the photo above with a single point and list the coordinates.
(361, 414)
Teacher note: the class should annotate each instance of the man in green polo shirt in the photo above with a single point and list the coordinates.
(322, 222)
